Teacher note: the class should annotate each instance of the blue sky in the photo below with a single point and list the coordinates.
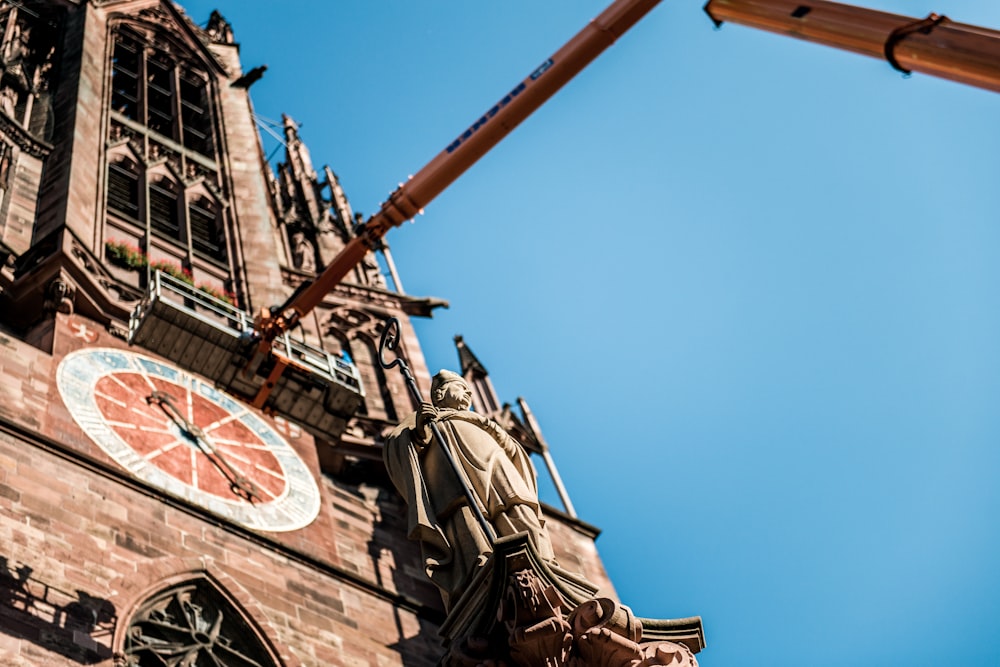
(748, 285)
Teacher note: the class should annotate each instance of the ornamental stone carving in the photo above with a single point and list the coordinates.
(522, 611)
(192, 624)
(59, 296)
(218, 29)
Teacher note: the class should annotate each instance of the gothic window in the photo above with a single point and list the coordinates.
(206, 232)
(125, 79)
(201, 223)
(193, 624)
(166, 191)
(163, 209)
(123, 188)
(149, 87)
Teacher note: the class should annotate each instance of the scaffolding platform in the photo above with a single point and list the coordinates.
(209, 336)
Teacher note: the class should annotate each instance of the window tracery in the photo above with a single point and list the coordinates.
(167, 100)
(28, 41)
(165, 191)
(123, 188)
(163, 217)
(206, 233)
(190, 625)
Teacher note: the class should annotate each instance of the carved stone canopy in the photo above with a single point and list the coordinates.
(520, 610)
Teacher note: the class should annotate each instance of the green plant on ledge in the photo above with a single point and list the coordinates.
(172, 270)
(131, 257)
(228, 297)
(125, 255)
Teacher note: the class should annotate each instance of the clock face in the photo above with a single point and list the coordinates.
(180, 434)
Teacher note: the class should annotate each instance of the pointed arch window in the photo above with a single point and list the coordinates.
(166, 194)
(125, 79)
(153, 89)
(123, 188)
(163, 216)
(206, 229)
(193, 624)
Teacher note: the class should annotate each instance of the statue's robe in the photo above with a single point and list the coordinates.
(501, 478)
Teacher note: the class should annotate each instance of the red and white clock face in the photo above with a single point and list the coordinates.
(161, 437)
(179, 433)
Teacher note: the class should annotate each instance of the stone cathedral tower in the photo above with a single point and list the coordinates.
(132, 176)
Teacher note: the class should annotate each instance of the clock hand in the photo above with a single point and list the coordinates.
(166, 403)
(238, 484)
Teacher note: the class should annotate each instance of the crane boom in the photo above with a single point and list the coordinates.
(935, 45)
(264, 365)
(487, 130)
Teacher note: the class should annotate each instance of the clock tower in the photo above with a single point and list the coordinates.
(156, 506)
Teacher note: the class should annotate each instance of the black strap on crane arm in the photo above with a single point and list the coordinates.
(924, 26)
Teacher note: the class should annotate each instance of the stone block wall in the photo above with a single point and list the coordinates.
(80, 550)
(348, 589)
(80, 538)
(20, 202)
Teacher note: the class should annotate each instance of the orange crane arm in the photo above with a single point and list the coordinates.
(462, 153)
(935, 45)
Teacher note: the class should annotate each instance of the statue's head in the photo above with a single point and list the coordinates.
(450, 390)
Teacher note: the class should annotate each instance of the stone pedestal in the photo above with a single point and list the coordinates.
(519, 610)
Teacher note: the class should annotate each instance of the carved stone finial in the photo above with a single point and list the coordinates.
(290, 127)
(218, 29)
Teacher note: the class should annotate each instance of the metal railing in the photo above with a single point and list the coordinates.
(184, 297)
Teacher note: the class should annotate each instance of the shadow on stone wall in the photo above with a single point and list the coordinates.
(75, 625)
(396, 562)
(419, 649)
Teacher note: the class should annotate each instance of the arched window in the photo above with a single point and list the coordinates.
(196, 122)
(163, 200)
(193, 623)
(163, 216)
(147, 84)
(125, 78)
(123, 188)
(207, 237)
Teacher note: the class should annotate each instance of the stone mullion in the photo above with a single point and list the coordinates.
(29, 101)
(179, 138)
(143, 101)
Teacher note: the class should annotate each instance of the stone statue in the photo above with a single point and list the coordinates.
(495, 467)
(17, 49)
(8, 100)
(303, 253)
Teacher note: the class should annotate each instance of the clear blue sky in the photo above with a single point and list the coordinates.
(749, 285)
